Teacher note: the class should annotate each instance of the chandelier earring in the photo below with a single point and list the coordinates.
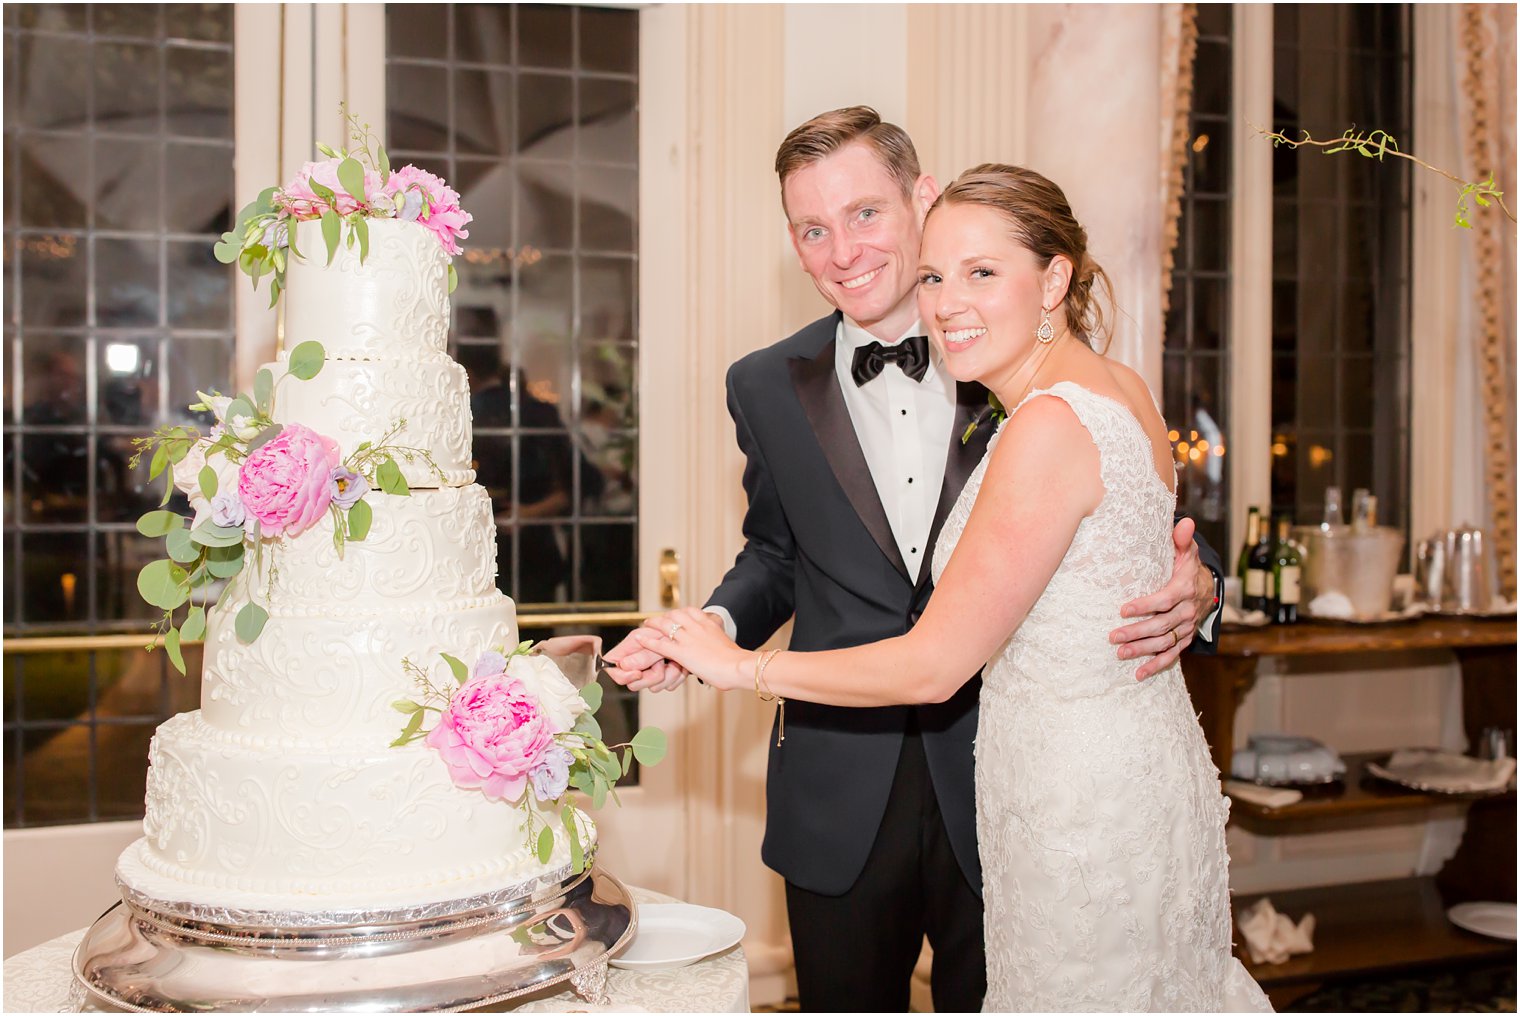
(1045, 333)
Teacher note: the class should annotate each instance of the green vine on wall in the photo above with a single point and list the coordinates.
(1378, 144)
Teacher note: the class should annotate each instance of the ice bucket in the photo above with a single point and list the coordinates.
(1358, 564)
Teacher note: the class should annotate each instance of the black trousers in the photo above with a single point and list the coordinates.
(856, 952)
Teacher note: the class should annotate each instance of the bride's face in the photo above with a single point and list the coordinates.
(979, 293)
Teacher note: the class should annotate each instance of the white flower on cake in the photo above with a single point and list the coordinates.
(557, 697)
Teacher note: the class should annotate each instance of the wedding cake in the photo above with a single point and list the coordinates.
(284, 791)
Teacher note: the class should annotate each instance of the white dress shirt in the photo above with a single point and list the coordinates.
(904, 430)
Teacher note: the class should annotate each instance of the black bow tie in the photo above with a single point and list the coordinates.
(911, 355)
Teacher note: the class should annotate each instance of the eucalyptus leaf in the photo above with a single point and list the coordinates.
(406, 706)
(208, 482)
(361, 230)
(182, 549)
(195, 624)
(171, 646)
(250, 621)
(599, 794)
(306, 359)
(460, 671)
(160, 460)
(648, 746)
(225, 562)
(359, 518)
(178, 449)
(588, 726)
(162, 584)
(545, 845)
(332, 226)
(351, 176)
(226, 250)
(577, 856)
(385, 164)
(323, 191)
(209, 534)
(263, 389)
(265, 436)
(159, 523)
(453, 279)
(627, 761)
(581, 780)
(239, 406)
(592, 693)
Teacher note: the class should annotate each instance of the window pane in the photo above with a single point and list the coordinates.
(419, 30)
(54, 180)
(609, 40)
(544, 33)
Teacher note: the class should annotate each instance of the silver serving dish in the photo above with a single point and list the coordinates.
(164, 956)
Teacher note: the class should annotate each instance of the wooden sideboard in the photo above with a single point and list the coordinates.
(1375, 926)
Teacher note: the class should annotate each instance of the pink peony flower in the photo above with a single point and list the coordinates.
(444, 217)
(301, 199)
(286, 483)
(492, 735)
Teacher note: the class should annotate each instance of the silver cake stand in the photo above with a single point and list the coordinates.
(165, 956)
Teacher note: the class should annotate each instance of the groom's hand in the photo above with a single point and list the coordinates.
(1174, 610)
(640, 669)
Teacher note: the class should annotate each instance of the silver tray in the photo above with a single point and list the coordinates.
(147, 958)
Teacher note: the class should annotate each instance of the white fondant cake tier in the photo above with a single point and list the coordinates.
(423, 548)
(226, 818)
(353, 401)
(313, 681)
(395, 304)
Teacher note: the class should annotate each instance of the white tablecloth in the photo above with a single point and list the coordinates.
(41, 979)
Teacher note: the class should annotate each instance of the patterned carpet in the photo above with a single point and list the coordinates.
(1469, 989)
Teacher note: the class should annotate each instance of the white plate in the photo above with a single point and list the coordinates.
(1497, 920)
(675, 934)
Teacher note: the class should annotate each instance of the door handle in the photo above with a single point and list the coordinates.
(670, 578)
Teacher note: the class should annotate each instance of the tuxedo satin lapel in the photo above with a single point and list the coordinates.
(817, 389)
(960, 462)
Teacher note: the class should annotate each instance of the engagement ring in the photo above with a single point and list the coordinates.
(673, 629)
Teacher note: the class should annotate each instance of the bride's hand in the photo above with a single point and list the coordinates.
(695, 639)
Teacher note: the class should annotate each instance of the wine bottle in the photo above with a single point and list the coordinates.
(1286, 571)
(1255, 595)
(1253, 520)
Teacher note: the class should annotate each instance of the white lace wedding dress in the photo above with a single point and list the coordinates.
(1099, 814)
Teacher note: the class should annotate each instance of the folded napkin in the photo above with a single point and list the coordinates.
(1272, 937)
(1232, 615)
(1445, 772)
(1265, 797)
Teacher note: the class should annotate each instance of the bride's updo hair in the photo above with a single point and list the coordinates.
(1041, 222)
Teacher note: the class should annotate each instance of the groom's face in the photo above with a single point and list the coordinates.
(857, 234)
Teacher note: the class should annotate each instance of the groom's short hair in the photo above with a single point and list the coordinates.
(828, 132)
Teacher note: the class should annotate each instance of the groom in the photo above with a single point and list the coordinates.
(852, 439)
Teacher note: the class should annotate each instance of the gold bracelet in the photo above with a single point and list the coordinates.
(762, 661)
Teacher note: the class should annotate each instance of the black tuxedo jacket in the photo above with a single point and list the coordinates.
(818, 546)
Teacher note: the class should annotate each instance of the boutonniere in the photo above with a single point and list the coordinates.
(995, 413)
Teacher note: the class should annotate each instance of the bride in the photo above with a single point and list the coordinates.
(1099, 815)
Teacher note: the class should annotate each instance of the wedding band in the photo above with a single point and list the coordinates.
(673, 629)
(1175, 639)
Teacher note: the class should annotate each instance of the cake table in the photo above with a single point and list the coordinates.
(40, 980)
